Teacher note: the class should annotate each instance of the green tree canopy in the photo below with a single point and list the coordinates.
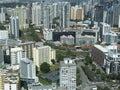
(45, 67)
(88, 60)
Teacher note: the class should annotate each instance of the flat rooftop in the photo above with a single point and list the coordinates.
(52, 76)
(101, 48)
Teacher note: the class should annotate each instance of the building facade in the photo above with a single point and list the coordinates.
(1, 56)
(68, 74)
(14, 27)
(36, 14)
(3, 34)
(64, 13)
(28, 70)
(2, 17)
(42, 54)
(28, 48)
(16, 55)
(110, 38)
(85, 40)
(107, 57)
(69, 40)
(21, 12)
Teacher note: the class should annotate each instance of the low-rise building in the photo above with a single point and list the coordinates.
(47, 87)
(85, 40)
(107, 57)
(69, 40)
(9, 79)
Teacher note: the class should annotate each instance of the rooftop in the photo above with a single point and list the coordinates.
(52, 76)
(101, 48)
(67, 61)
(16, 49)
(9, 42)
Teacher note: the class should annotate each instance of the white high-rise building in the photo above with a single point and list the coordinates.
(28, 69)
(42, 54)
(36, 14)
(3, 34)
(104, 28)
(48, 16)
(14, 27)
(64, 13)
(16, 55)
(21, 12)
(2, 17)
(68, 74)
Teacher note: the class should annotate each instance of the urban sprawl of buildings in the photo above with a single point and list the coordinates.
(92, 23)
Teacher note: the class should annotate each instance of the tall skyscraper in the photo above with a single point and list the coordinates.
(68, 74)
(64, 14)
(21, 12)
(36, 14)
(14, 27)
(98, 16)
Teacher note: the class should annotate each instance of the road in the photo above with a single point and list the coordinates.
(85, 81)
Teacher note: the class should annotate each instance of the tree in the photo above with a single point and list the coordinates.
(37, 70)
(78, 70)
(53, 61)
(2, 27)
(88, 60)
(7, 59)
(45, 67)
(118, 88)
(93, 67)
(59, 57)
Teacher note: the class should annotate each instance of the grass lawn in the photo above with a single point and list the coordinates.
(44, 81)
(54, 67)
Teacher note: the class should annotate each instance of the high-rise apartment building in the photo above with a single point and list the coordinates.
(36, 14)
(104, 28)
(64, 14)
(16, 55)
(77, 13)
(14, 27)
(28, 70)
(28, 48)
(98, 16)
(1, 56)
(2, 17)
(21, 12)
(68, 74)
(42, 54)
